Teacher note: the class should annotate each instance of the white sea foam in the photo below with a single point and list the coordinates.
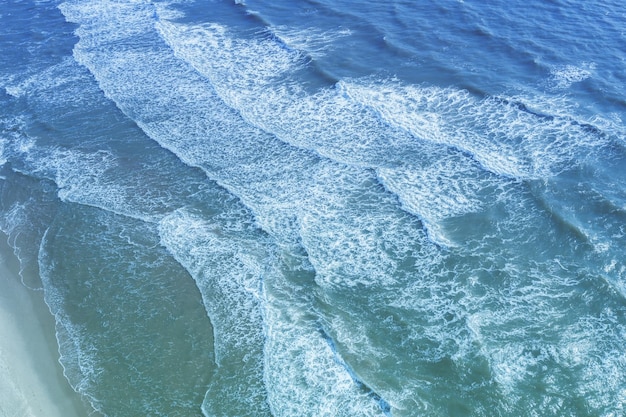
(355, 235)
(13, 223)
(601, 379)
(54, 82)
(301, 373)
(450, 186)
(533, 339)
(564, 76)
(389, 124)
(76, 353)
(329, 122)
(3, 156)
(313, 41)
(503, 136)
(146, 187)
(97, 179)
(230, 58)
(225, 258)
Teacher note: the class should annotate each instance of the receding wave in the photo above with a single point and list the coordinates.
(110, 313)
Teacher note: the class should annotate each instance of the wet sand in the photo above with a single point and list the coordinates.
(31, 378)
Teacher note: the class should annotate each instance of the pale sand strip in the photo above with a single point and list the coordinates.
(31, 379)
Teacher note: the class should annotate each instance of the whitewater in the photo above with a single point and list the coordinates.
(315, 208)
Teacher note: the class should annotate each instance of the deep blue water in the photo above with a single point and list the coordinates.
(323, 208)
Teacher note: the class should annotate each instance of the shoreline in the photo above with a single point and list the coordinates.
(32, 383)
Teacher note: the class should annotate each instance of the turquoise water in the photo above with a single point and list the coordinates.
(323, 208)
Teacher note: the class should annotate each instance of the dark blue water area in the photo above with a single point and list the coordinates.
(34, 35)
(554, 48)
(27, 24)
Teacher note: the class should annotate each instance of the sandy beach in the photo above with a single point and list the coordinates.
(31, 379)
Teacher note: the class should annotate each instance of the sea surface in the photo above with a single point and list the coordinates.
(322, 207)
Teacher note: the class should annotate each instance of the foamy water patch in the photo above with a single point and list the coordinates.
(16, 224)
(592, 346)
(225, 256)
(450, 186)
(354, 234)
(302, 374)
(105, 180)
(90, 14)
(3, 147)
(424, 113)
(504, 136)
(53, 84)
(224, 57)
(601, 221)
(535, 330)
(85, 178)
(566, 75)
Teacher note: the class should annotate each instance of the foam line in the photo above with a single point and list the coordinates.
(384, 406)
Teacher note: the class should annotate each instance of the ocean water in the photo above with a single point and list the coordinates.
(322, 208)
